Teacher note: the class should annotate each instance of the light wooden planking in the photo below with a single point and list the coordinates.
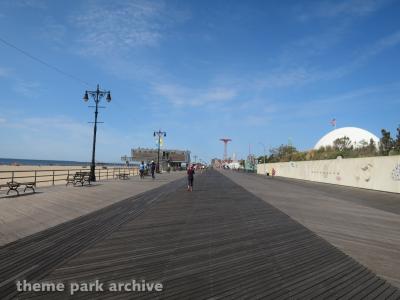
(364, 224)
(50, 206)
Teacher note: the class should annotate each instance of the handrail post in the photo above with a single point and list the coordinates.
(53, 176)
(35, 177)
(113, 173)
(12, 176)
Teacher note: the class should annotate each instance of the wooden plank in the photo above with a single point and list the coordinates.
(364, 224)
(218, 242)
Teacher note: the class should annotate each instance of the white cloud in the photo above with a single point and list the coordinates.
(4, 72)
(363, 56)
(61, 137)
(36, 4)
(54, 31)
(219, 94)
(179, 96)
(343, 8)
(334, 103)
(379, 46)
(43, 123)
(32, 3)
(3, 120)
(108, 27)
(297, 76)
(27, 88)
(255, 120)
(285, 78)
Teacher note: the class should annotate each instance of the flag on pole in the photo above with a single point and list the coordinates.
(333, 122)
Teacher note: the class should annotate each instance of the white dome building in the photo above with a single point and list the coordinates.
(356, 135)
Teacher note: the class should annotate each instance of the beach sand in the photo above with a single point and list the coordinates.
(49, 175)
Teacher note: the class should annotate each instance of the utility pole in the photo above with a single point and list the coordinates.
(159, 133)
(96, 95)
(264, 155)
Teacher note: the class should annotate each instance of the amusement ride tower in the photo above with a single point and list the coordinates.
(226, 141)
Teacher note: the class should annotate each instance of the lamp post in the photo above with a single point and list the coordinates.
(159, 133)
(264, 155)
(96, 95)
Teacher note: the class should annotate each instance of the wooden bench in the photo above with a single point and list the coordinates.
(79, 177)
(123, 176)
(71, 179)
(13, 186)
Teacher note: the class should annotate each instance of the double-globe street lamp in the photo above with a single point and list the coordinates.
(159, 134)
(96, 95)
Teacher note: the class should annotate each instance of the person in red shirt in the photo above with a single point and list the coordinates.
(190, 173)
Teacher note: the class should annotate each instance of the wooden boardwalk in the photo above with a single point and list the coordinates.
(50, 206)
(362, 223)
(218, 242)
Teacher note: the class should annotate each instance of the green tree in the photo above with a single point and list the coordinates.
(342, 144)
(372, 146)
(262, 159)
(386, 142)
(397, 144)
(282, 153)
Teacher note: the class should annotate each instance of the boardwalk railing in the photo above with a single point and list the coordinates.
(59, 176)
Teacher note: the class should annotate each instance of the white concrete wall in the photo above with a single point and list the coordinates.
(376, 173)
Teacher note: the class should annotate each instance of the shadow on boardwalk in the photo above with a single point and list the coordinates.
(218, 242)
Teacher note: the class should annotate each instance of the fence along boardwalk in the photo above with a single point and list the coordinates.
(59, 175)
(219, 241)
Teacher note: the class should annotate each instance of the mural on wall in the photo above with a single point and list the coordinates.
(325, 171)
(365, 172)
(396, 173)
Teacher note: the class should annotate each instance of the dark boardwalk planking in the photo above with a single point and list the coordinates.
(218, 242)
(34, 256)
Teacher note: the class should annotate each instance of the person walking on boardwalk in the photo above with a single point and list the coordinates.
(190, 173)
(141, 170)
(153, 169)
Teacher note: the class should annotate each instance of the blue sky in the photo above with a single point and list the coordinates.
(258, 72)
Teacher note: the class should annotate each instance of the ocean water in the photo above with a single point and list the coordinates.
(39, 162)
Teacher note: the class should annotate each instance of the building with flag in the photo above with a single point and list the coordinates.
(168, 157)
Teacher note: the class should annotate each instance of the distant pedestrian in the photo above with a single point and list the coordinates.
(141, 170)
(190, 173)
(153, 169)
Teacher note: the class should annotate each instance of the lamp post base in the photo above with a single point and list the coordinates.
(92, 173)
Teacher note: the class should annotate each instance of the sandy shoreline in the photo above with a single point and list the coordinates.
(47, 175)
